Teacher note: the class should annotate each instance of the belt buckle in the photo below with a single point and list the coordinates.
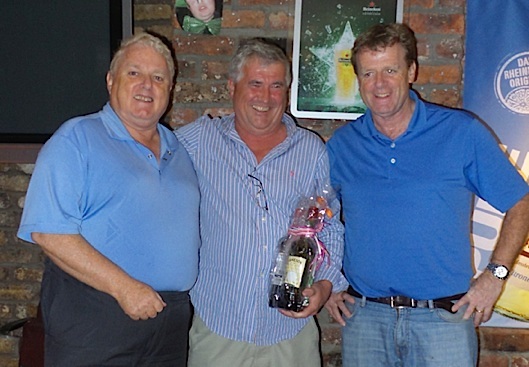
(397, 302)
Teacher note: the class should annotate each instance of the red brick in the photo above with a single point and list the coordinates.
(505, 339)
(188, 92)
(243, 19)
(447, 97)
(28, 274)
(443, 74)
(186, 68)
(331, 335)
(152, 11)
(215, 70)
(182, 116)
(493, 360)
(455, 5)
(17, 292)
(428, 4)
(437, 23)
(423, 48)
(450, 48)
(203, 45)
(280, 20)
(520, 361)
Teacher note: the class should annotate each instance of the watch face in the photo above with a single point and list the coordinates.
(501, 272)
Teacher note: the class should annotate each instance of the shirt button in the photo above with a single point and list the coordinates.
(263, 219)
(150, 156)
(392, 145)
(392, 160)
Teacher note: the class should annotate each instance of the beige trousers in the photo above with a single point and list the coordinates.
(207, 349)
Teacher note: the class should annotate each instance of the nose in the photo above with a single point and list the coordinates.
(265, 94)
(146, 82)
(379, 79)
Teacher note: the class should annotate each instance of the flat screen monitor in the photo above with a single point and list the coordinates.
(55, 55)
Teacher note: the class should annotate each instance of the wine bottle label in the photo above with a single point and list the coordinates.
(295, 269)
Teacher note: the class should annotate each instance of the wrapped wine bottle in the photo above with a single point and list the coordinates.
(299, 255)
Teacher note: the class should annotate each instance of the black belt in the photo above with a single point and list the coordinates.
(402, 301)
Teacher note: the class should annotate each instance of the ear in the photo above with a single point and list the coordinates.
(231, 87)
(412, 72)
(109, 82)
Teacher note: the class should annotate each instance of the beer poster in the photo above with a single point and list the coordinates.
(324, 84)
(497, 90)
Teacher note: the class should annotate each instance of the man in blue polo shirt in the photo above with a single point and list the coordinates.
(407, 172)
(113, 202)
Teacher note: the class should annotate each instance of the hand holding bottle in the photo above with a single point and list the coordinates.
(317, 294)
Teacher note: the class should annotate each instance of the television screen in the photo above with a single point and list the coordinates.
(55, 55)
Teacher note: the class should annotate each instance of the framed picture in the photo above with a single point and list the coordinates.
(199, 16)
(324, 83)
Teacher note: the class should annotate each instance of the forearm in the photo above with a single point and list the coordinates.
(74, 255)
(513, 233)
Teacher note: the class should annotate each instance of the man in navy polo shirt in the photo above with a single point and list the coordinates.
(407, 172)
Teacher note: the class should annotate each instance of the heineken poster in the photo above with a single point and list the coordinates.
(324, 84)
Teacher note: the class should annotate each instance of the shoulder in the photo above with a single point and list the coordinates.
(464, 126)
(203, 123)
(347, 132)
(307, 138)
(202, 131)
(440, 113)
(76, 131)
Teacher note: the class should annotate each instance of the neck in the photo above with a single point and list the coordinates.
(262, 144)
(149, 139)
(395, 125)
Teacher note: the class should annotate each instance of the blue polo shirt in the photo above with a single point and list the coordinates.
(407, 202)
(92, 178)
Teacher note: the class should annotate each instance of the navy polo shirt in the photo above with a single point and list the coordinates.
(407, 202)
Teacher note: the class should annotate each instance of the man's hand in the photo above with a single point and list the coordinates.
(480, 298)
(74, 255)
(139, 301)
(318, 294)
(337, 307)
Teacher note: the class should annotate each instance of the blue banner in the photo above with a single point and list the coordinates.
(496, 88)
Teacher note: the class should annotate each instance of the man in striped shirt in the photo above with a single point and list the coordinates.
(253, 166)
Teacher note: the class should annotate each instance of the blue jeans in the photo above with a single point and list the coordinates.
(380, 336)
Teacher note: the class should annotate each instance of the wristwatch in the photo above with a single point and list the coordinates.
(499, 271)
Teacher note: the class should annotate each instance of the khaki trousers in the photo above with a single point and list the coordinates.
(207, 349)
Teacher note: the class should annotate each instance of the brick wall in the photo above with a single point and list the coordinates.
(201, 89)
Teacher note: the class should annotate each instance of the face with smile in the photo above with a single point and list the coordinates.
(202, 9)
(139, 88)
(259, 97)
(384, 81)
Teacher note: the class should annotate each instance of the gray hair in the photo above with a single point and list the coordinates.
(266, 52)
(144, 39)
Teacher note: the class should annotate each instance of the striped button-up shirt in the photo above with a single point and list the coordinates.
(246, 207)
